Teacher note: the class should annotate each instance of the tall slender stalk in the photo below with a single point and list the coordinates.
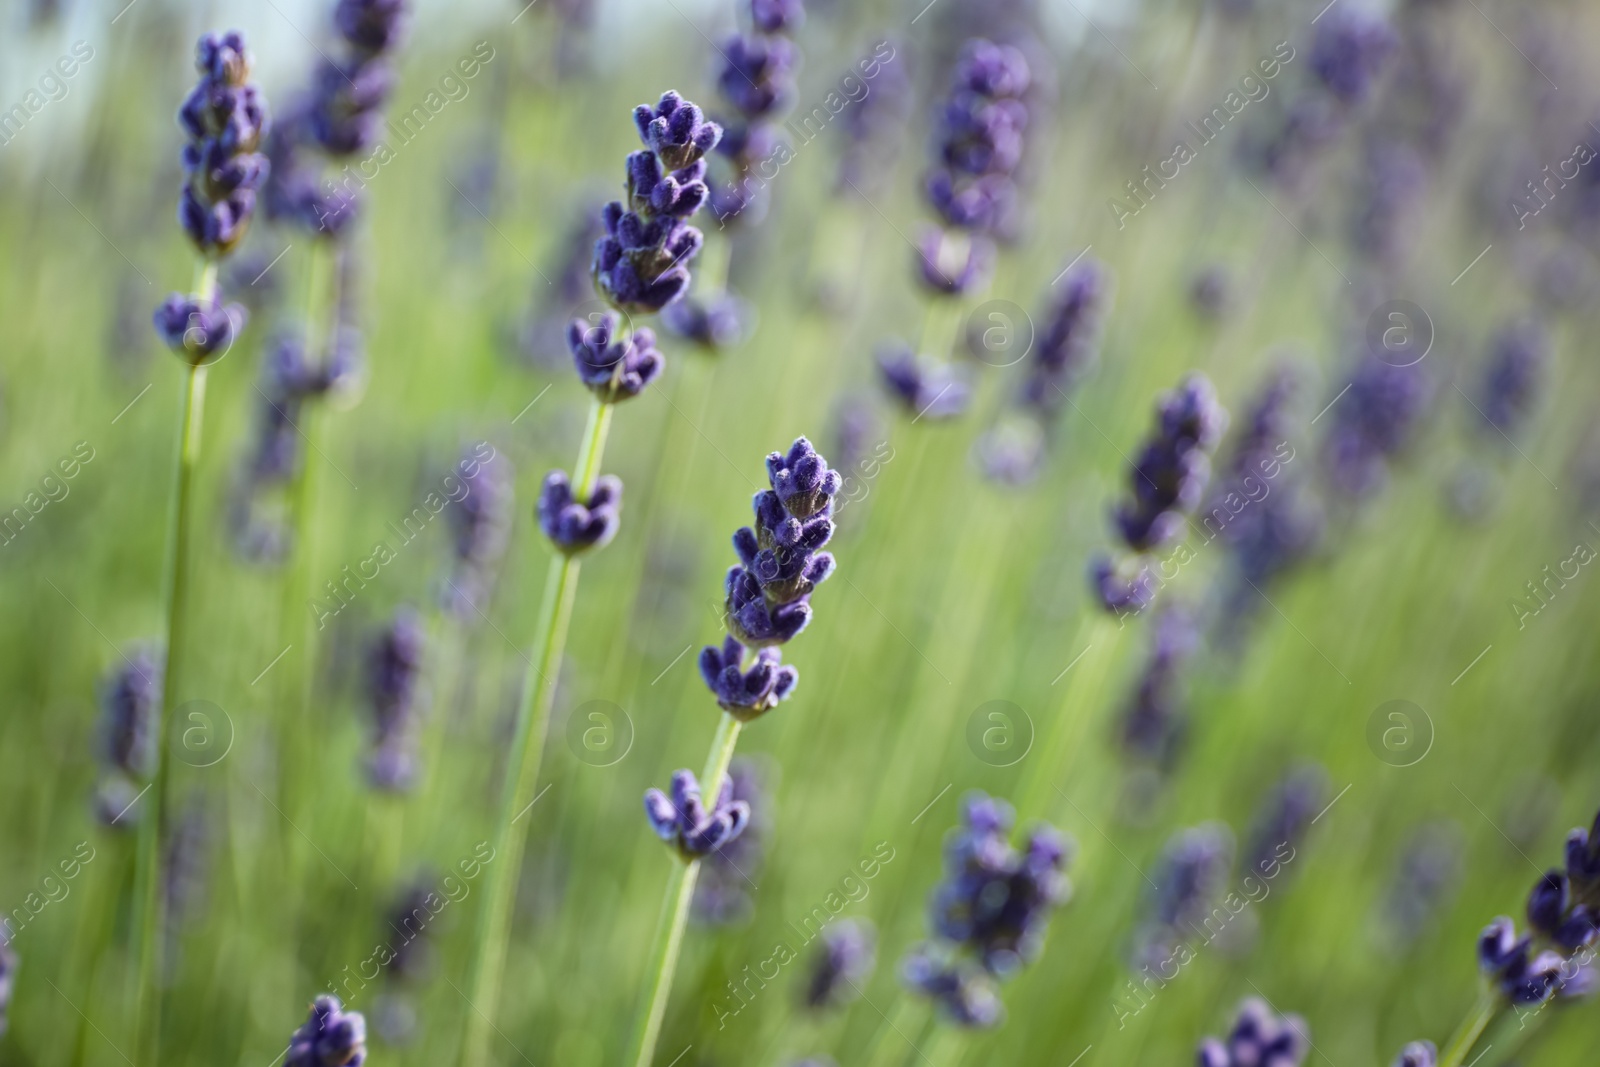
(675, 905)
(522, 768)
(1472, 1028)
(147, 1001)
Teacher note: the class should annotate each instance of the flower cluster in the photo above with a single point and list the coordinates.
(481, 525)
(129, 698)
(684, 821)
(1066, 349)
(200, 331)
(844, 960)
(1349, 53)
(225, 118)
(924, 389)
(989, 916)
(723, 893)
(1259, 1039)
(641, 262)
(331, 1037)
(1512, 380)
(575, 525)
(394, 687)
(614, 365)
(1167, 481)
(1373, 424)
(1191, 878)
(978, 143)
(1286, 817)
(1153, 725)
(746, 694)
(757, 80)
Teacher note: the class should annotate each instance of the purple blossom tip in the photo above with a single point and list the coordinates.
(676, 131)
(954, 263)
(615, 367)
(199, 333)
(331, 1037)
(226, 119)
(684, 820)
(1418, 1054)
(777, 16)
(1259, 1039)
(746, 694)
(720, 322)
(923, 389)
(844, 961)
(575, 525)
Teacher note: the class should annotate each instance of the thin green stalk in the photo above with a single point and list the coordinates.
(522, 768)
(1472, 1028)
(675, 905)
(147, 1000)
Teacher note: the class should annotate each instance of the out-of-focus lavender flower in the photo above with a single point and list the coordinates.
(925, 390)
(873, 124)
(574, 525)
(1259, 1039)
(410, 917)
(615, 366)
(746, 694)
(757, 80)
(1373, 424)
(777, 16)
(1418, 1054)
(129, 696)
(394, 688)
(757, 76)
(781, 562)
(1012, 451)
(1122, 589)
(1509, 964)
(978, 138)
(1512, 380)
(1350, 51)
(1066, 349)
(989, 915)
(954, 263)
(225, 118)
(722, 896)
(347, 96)
(331, 1037)
(1154, 724)
(544, 334)
(1583, 861)
(481, 524)
(1286, 817)
(1170, 476)
(844, 960)
(1191, 877)
(200, 332)
(1211, 292)
(717, 322)
(684, 821)
(8, 975)
(1429, 873)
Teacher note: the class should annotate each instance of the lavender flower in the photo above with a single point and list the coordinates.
(1171, 474)
(979, 138)
(1153, 725)
(777, 16)
(574, 525)
(1506, 961)
(684, 821)
(844, 960)
(1583, 860)
(8, 975)
(1350, 51)
(722, 896)
(769, 592)
(746, 694)
(718, 322)
(1122, 590)
(1067, 348)
(1418, 1054)
(331, 1037)
(954, 263)
(410, 916)
(128, 700)
(1259, 1039)
(394, 683)
(757, 79)
(225, 118)
(1286, 817)
(1393, 178)
(347, 97)
(873, 123)
(1512, 380)
(481, 523)
(614, 366)
(923, 389)
(1429, 872)
(1373, 424)
(1191, 878)
(757, 75)
(199, 331)
(989, 915)
(676, 131)
(1554, 915)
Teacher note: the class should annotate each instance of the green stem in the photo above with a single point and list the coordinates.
(1472, 1028)
(675, 905)
(522, 768)
(149, 914)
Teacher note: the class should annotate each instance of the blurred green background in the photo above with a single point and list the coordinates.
(952, 591)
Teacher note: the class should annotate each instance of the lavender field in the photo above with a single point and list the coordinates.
(786, 533)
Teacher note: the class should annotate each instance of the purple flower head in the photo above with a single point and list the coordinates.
(964, 992)
(1122, 590)
(129, 698)
(924, 390)
(371, 26)
(1512, 380)
(331, 1037)
(1154, 721)
(1350, 51)
(613, 366)
(1259, 1039)
(225, 118)
(676, 131)
(757, 75)
(982, 204)
(1418, 1054)
(719, 322)
(996, 900)
(641, 263)
(1373, 424)
(1392, 180)
(980, 137)
(995, 70)
(199, 333)
(746, 694)
(347, 99)
(1067, 347)
(1508, 963)
(1191, 878)
(394, 688)
(8, 973)
(651, 191)
(574, 525)
(1583, 861)
(722, 896)
(1285, 818)
(777, 16)
(954, 263)
(802, 479)
(1553, 914)
(843, 962)
(481, 525)
(683, 820)
(1171, 474)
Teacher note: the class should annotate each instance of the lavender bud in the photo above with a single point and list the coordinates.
(676, 131)
(683, 820)
(719, 322)
(331, 1037)
(746, 695)
(1505, 961)
(757, 76)
(1259, 1039)
(1067, 348)
(1373, 424)
(1286, 816)
(1154, 722)
(1171, 474)
(225, 118)
(614, 368)
(199, 333)
(1418, 1054)
(1583, 861)
(844, 960)
(1350, 51)
(481, 523)
(574, 525)
(924, 390)
(965, 994)
(954, 263)
(394, 682)
(1516, 370)
(1124, 590)
(777, 16)
(129, 697)
(371, 26)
